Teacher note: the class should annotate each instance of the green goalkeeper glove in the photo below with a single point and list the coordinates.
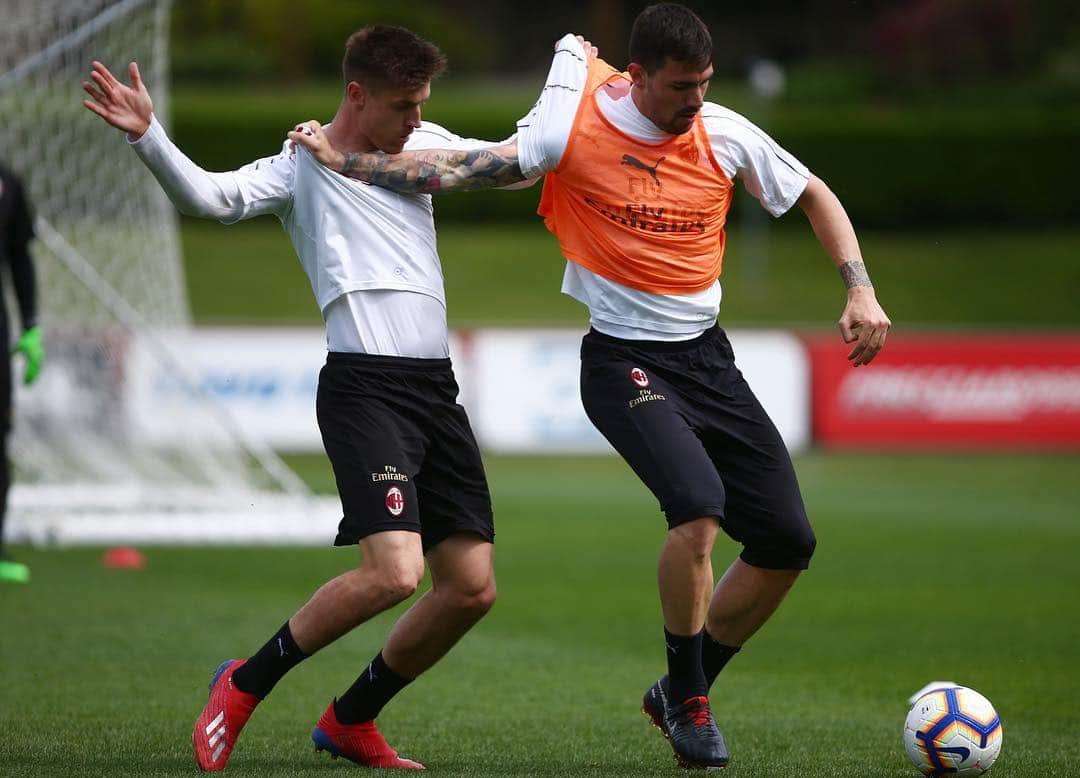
(29, 345)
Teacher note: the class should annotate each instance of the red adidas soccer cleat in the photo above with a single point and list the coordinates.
(360, 743)
(225, 714)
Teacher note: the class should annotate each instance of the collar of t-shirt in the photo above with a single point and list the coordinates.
(619, 108)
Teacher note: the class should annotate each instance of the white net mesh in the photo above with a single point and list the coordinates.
(110, 279)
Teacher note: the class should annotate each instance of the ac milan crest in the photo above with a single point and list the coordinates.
(637, 375)
(395, 501)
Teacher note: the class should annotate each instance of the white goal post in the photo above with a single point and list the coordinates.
(110, 282)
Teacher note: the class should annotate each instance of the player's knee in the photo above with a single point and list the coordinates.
(399, 581)
(788, 546)
(790, 549)
(797, 545)
(695, 537)
(483, 600)
(800, 541)
(473, 599)
(807, 543)
(401, 587)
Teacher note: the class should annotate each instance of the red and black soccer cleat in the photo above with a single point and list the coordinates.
(360, 743)
(225, 714)
(689, 726)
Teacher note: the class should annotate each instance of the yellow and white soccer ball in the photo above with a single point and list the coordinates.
(952, 730)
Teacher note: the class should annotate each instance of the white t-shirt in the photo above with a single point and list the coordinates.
(743, 151)
(368, 252)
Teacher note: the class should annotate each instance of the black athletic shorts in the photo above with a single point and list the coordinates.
(403, 453)
(684, 418)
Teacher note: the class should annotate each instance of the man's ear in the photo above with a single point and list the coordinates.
(356, 94)
(637, 74)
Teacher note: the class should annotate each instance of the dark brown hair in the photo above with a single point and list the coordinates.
(669, 31)
(384, 57)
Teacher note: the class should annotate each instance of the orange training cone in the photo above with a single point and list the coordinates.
(123, 558)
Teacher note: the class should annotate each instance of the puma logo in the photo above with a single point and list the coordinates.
(635, 162)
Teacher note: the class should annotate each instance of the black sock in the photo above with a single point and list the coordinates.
(372, 690)
(269, 664)
(685, 677)
(714, 655)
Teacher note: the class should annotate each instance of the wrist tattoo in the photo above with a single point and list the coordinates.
(352, 160)
(854, 274)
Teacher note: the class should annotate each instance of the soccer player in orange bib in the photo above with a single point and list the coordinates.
(638, 176)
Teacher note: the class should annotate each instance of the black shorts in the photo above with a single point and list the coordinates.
(403, 453)
(684, 418)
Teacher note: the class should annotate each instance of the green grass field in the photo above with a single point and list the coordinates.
(927, 568)
(510, 275)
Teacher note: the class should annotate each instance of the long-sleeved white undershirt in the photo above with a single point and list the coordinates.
(369, 253)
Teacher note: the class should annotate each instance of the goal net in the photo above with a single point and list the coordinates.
(111, 287)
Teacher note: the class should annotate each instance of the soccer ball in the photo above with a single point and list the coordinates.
(952, 730)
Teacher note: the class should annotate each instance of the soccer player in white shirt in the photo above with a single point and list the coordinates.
(407, 466)
(658, 376)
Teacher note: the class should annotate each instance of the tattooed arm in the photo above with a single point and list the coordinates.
(437, 170)
(428, 171)
(864, 321)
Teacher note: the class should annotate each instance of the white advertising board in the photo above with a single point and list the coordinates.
(777, 367)
(519, 386)
(263, 378)
(524, 395)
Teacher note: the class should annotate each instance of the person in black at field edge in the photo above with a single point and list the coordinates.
(16, 231)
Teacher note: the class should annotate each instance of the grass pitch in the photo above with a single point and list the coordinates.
(509, 275)
(927, 568)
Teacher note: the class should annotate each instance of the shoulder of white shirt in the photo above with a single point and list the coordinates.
(430, 130)
(713, 113)
(726, 122)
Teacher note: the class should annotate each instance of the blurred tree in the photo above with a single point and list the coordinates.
(904, 42)
(294, 40)
(941, 41)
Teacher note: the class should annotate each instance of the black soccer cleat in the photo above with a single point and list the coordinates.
(655, 703)
(689, 726)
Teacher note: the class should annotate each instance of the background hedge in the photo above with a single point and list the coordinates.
(969, 164)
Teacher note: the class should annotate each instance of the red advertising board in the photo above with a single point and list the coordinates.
(950, 391)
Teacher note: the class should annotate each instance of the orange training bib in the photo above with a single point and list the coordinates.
(648, 216)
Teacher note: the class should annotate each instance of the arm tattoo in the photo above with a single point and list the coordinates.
(351, 164)
(437, 170)
(854, 274)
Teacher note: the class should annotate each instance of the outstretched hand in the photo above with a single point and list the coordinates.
(591, 51)
(864, 323)
(127, 108)
(310, 135)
